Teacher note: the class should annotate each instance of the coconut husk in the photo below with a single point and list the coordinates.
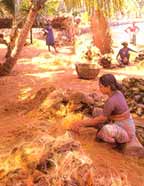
(134, 93)
(56, 161)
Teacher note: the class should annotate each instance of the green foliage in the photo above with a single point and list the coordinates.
(25, 6)
(73, 4)
(50, 8)
(131, 6)
(7, 7)
(109, 7)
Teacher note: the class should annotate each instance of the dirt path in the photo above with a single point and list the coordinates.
(16, 127)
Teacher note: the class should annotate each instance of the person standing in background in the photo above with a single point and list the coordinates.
(132, 30)
(50, 41)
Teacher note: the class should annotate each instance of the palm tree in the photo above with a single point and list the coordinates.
(99, 11)
(16, 48)
(103, 8)
(7, 9)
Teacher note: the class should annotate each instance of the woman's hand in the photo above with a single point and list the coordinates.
(75, 127)
(90, 122)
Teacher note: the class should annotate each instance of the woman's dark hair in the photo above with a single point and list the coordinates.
(110, 80)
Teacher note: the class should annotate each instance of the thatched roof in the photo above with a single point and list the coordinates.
(5, 23)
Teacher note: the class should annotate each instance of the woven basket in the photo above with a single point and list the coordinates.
(87, 71)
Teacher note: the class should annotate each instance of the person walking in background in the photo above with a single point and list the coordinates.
(132, 30)
(50, 41)
(123, 55)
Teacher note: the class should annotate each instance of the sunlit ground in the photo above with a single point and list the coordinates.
(47, 65)
(51, 63)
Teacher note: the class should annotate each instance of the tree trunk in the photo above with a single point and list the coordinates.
(13, 55)
(13, 37)
(101, 35)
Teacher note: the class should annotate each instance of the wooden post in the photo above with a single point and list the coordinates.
(31, 37)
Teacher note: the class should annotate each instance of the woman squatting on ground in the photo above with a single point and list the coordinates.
(120, 128)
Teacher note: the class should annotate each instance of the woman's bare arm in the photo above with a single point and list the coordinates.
(92, 122)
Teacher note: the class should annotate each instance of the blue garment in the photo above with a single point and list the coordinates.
(124, 55)
(124, 52)
(49, 36)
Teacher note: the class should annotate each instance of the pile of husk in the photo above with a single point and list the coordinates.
(49, 161)
(140, 133)
(64, 103)
(134, 92)
(105, 63)
(51, 103)
(140, 56)
(66, 27)
(61, 23)
(56, 161)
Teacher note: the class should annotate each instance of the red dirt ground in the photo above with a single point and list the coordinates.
(16, 127)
